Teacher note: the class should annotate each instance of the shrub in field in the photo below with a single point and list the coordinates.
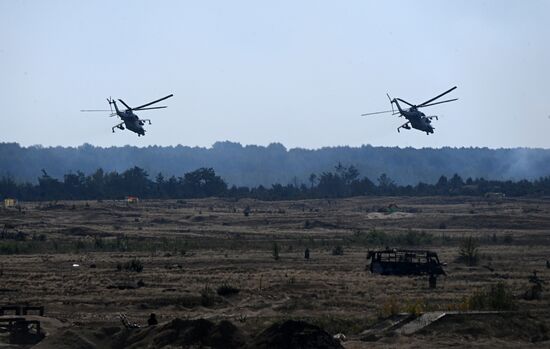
(495, 297)
(415, 307)
(99, 243)
(535, 291)
(390, 307)
(414, 238)
(468, 251)
(275, 251)
(337, 250)
(508, 239)
(9, 247)
(80, 245)
(227, 290)
(208, 298)
(133, 265)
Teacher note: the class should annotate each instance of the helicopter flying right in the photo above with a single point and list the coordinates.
(416, 119)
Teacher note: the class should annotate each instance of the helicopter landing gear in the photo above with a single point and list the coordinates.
(405, 126)
(119, 126)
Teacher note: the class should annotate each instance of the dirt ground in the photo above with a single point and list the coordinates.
(75, 258)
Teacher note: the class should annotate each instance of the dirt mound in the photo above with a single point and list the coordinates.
(67, 339)
(83, 231)
(295, 334)
(186, 333)
(175, 334)
(79, 338)
(52, 207)
(320, 224)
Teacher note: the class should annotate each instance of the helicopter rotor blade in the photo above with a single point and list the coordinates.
(150, 108)
(126, 105)
(448, 100)
(153, 102)
(378, 112)
(439, 96)
(88, 110)
(404, 101)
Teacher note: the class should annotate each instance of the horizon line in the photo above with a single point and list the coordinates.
(271, 144)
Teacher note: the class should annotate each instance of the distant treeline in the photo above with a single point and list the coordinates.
(253, 165)
(344, 181)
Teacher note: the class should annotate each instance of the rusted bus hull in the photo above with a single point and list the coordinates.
(405, 262)
(405, 268)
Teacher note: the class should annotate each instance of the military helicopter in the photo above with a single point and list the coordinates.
(129, 118)
(416, 119)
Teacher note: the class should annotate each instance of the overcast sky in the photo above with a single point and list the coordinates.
(295, 72)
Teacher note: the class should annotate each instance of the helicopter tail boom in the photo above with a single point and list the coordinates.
(397, 104)
(113, 102)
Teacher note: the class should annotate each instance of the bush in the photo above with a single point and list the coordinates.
(508, 239)
(133, 265)
(468, 252)
(207, 297)
(227, 290)
(414, 238)
(390, 307)
(41, 237)
(337, 250)
(380, 238)
(80, 245)
(495, 297)
(275, 251)
(9, 247)
(377, 237)
(99, 243)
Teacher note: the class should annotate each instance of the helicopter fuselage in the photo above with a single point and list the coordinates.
(132, 122)
(417, 119)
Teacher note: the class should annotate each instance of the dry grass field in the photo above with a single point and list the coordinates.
(188, 249)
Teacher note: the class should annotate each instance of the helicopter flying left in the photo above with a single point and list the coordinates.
(129, 119)
(415, 118)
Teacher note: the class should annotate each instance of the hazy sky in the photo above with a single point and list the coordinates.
(256, 72)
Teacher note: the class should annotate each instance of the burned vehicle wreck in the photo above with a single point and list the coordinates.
(405, 262)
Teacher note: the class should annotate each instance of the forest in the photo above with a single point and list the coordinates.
(342, 181)
(253, 165)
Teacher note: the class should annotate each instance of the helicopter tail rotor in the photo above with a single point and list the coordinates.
(110, 100)
(391, 103)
